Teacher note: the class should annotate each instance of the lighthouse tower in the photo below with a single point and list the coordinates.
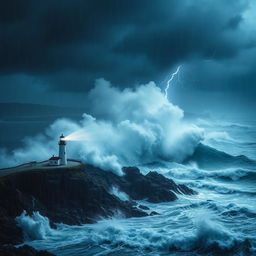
(62, 150)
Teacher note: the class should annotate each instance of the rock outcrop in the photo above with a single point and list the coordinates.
(79, 195)
(153, 187)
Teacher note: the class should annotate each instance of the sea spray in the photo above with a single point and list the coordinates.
(121, 195)
(128, 127)
(35, 227)
(210, 232)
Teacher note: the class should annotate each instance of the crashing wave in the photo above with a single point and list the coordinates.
(35, 226)
(128, 127)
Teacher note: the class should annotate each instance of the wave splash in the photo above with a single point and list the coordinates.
(206, 235)
(35, 227)
(203, 234)
(124, 127)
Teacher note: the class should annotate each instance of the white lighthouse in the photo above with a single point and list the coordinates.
(62, 150)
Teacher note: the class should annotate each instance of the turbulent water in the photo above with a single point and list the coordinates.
(220, 220)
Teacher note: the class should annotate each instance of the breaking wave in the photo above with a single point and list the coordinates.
(203, 234)
(235, 174)
(210, 158)
(35, 227)
(195, 173)
(206, 235)
(219, 137)
(209, 236)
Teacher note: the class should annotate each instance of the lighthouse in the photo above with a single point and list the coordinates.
(62, 150)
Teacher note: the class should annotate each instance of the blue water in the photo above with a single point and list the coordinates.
(220, 220)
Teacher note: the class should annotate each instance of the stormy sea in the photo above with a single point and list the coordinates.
(219, 220)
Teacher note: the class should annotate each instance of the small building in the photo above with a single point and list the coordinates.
(54, 160)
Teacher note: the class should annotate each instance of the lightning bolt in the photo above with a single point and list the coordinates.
(170, 80)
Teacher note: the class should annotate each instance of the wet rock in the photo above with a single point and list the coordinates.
(143, 207)
(152, 187)
(22, 251)
(9, 232)
(153, 213)
(166, 183)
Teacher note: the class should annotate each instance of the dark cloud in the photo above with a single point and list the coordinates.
(66, 44)
(186, 32)
(14, 10)
(234, 22)
(45, 39)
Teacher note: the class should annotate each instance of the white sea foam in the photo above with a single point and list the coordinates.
(203, 232)
(35, 226)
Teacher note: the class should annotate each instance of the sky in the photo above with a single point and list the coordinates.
(53, 51)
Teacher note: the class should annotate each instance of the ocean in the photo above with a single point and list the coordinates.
(220, 220)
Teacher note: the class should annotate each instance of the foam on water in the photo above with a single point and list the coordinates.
(186, 230)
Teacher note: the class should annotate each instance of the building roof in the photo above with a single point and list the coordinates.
(54, 158)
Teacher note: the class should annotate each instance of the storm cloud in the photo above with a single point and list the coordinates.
(61, 47)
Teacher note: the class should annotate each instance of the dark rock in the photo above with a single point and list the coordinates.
(153, 213)
(140, 187)
(143, 207)
(169, 184)
(9, 232)
(186, 190)
(63, 195)
(132, 173)
(134, 203)
(22, 251)
(153, 187)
